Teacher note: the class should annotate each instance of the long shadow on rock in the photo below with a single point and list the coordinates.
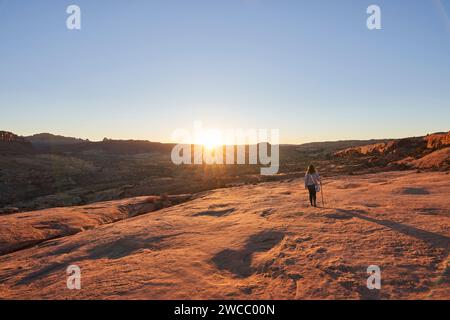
(215, 213)
(238, 262)
(116, 249)
(126, 246)
(432, 238)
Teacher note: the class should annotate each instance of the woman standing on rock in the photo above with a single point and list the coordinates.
(312, 183)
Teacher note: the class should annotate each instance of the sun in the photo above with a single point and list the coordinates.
(210, 139)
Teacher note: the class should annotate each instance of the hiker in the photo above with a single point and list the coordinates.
(312, 183)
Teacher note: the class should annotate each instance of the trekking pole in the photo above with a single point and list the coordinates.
(321, 191)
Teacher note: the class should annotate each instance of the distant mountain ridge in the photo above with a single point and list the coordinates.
(117, 146)
(50, 143)
(48, 140)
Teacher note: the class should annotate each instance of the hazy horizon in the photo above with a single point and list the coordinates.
(151, 140)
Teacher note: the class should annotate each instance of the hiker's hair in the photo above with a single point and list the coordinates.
(311, 169)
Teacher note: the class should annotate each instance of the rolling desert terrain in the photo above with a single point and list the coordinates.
(255, 241)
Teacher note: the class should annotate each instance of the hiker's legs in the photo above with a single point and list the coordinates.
(314, 198)
(312, 195)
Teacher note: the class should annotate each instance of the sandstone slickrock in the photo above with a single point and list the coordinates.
(22, 230)
(253, 242)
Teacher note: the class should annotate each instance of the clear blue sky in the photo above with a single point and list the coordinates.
(141, 69)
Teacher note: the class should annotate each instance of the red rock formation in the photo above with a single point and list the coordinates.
(11, 137)
(403, 152)
(437, 140)
(11, 143)
(363, 150)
